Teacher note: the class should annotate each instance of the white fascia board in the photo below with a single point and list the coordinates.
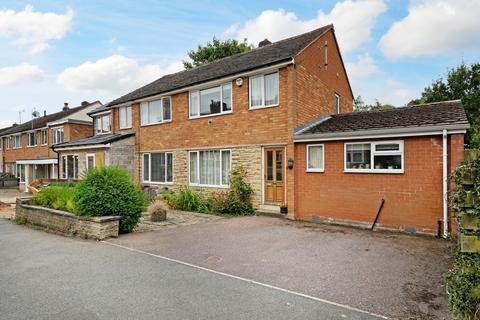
(93, 146)
(37, 161)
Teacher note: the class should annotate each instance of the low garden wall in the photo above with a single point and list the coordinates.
(8, 182)
(65, 223)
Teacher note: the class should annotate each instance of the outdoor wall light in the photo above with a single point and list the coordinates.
(290, 164)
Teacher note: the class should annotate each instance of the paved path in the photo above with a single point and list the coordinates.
(44, 276)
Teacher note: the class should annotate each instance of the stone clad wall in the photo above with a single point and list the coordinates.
(122, 154)
(65, 223)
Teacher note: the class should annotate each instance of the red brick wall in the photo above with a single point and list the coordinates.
(412, 199)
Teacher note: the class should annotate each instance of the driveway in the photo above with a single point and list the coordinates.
(44, 276)
(396, 275)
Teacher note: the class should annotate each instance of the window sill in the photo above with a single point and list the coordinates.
(397, 171)
(208, 186)
(210, 115)
(154, 124)
(32, 146)
(158, 183)
(315, 170)
(263, 107)
(126, 128)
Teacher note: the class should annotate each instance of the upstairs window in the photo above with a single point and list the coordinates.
(264, 90)
(17, 141)
(125, 115)
(7, 142)
(43, 136)
(57, 134)
(211, 101)
(102, 124)
(32, 138)
(156, 111)
(376, 157)
(337, 103)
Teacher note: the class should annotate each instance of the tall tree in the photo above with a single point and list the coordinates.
(462, 82)
(360, 106)
(215, 50)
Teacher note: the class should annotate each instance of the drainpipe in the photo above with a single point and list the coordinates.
(445, 184)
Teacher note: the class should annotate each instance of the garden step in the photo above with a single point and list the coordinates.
(469, 243)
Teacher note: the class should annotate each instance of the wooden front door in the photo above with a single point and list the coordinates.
(274, 169)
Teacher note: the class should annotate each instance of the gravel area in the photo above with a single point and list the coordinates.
(175, 218)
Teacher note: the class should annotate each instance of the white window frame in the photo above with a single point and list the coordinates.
(65, 167)
(197, 93)
(337, 103)
(128, 120)
(149, 181)
(145, 124)
(98, 119)
(35, 138)
(198, 169)
(322, 169)
(89, 155)
(43, 133)
(20, 143)
(373, 153)
(262, 106)
(55, 136)
(18, 174)
(7, 142)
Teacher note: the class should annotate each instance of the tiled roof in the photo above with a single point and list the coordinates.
(446, 113)
(94, 140)
(267, 55)
(42, 121)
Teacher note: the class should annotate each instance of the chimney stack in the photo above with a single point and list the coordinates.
(44, 113)
(264, 42)
(65, 107)
(84, 103)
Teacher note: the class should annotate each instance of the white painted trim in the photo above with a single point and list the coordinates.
(93, 146)
(38, 161)
(210, 83)
(372, 157)
(338, 110)
(445, 182)
(142, 167)
(120, 120)
(323, 158)
(161, 111)
(377, 136)
(263, 106)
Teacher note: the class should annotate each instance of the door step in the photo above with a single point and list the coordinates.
(270, 211)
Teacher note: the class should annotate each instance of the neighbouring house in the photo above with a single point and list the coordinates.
(2, 159)
(347, 163)
(193, 126)
(26, 148)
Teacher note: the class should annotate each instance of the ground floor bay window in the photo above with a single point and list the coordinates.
(158, 167)
(70, 167)
(210, 167)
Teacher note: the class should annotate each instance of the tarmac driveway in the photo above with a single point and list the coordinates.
(395, 275)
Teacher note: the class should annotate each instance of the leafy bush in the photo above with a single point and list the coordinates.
(463, 283)
(58, 198)
(62, 184)
(189, 200)
(110, 191)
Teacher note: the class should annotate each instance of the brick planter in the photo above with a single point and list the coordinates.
(65, 223)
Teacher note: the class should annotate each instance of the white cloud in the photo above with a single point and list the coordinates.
(113, 75)
(33, 30)
(363, 67)
(353, 22)
(20, 73)
(6, 123)
(434, 26)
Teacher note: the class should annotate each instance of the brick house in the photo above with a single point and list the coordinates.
(277, 110)
(26, 148)
(191, 127)
(346, 164)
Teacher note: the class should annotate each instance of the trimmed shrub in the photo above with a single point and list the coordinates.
(110, 191)
(58, 198)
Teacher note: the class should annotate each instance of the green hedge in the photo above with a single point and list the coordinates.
(58, 198)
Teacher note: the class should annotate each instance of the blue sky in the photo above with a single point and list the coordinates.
(70, 51)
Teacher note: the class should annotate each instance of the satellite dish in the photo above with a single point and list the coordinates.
(36, 114)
